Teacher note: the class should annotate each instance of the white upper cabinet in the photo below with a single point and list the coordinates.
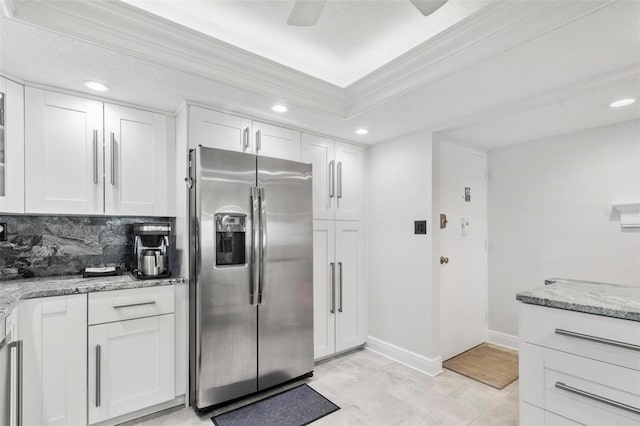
(218, 130)
(11, 147)
(139, 148)
(349, 181)
(338, 178)
(63, 153)
(277, 142)
(320, 153)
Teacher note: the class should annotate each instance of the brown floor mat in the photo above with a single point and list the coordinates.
(490, 364)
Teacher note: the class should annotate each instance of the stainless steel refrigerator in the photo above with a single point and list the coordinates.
(251, 280)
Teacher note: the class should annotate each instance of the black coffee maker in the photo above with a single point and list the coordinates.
(151, 249)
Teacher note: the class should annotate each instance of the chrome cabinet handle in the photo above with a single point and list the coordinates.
(263, 243)
(98, 373)
(131, 305)
(340, 275)
(95, 156)
(340, 179)
(19, 385)
(245, 136)
(113, 158)
(258, 140)
(598, 398)
(255, 238)
(598, 339)
(333, 288)
(332, 179)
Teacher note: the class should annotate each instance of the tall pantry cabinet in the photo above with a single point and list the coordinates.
(339, 244)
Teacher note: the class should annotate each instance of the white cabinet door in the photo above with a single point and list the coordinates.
(218, 130)
(320, 153)
(131, 366)
(350, 285)
(277, 142)
(323, 289)
(63, 154)
(11, 147)
(54, 335)
(349, 181)
(138, 152)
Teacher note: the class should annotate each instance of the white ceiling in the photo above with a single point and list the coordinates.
(487, 91)
(351, 39)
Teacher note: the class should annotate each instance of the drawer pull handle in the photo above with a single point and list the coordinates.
(598, 339)
(598, 398)
(131, 305)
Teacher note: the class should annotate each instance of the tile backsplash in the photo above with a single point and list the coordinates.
(39, 246)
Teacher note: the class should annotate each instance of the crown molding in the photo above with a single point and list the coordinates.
(123, 28)
(129, 30)
(541, 99)
(488, 33)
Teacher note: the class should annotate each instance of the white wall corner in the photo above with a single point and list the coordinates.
(429, 366)
(503, 339)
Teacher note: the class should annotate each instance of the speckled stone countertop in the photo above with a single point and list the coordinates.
(610, 300)
(13, 291)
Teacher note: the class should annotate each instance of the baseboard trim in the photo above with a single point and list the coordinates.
(429, 366)
(503, 339)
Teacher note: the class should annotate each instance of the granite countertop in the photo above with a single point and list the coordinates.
(610, 300)
(13, 291)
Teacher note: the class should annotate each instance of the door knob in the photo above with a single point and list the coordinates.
(444, 260)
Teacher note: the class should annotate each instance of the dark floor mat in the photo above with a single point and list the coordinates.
(295, 407)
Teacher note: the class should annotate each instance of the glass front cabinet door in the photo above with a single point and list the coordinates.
(11, 146)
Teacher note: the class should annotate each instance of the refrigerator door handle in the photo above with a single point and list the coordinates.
(339, 179)
(255, 238)
(263, 244)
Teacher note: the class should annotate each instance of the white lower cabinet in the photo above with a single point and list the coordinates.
(53, 331)
(131, 365)
(339, 286)
(578, 368)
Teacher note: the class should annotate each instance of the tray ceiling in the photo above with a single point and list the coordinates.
(351, 39)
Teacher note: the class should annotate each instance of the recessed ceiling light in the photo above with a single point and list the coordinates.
(94, 85)
(362, 131)
(622, 102)
(279, 108)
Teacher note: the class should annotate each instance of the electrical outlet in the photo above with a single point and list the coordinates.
(420, 227)
(3, 231)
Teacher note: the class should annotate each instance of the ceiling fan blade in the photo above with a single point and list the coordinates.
(427, 7)
(305, 13)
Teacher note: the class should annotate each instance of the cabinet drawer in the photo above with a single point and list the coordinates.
(587, 391)
(128, 304)
(548, 327)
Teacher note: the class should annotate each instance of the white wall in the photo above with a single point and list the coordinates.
(400, 293)
(550, 214)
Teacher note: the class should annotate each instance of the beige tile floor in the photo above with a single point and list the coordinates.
(373, 390)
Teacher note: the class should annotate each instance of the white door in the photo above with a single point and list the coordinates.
(277, 142)
(324, 309)
(349, 181)
(320, 153)
(63, 154)
(137, 157)
(131, 366)
(11, 146)
(214, 129)
(463, 280)
(350, 285)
